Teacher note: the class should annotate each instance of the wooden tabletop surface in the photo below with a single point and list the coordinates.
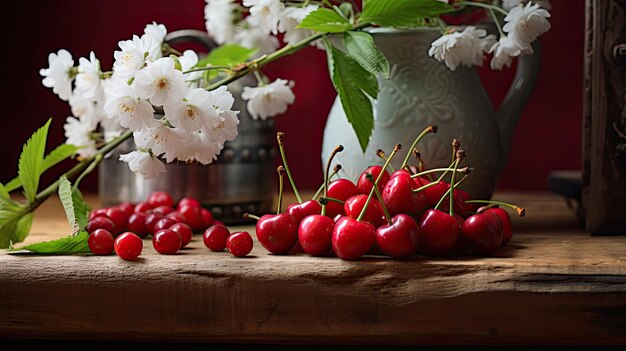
(553, 284)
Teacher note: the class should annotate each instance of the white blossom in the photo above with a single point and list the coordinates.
(503, 52)
(88, 80)
(187, 61)
(78, 132)
(84, 108)
(134, 55)
(159, 138)
(156, 32)
(224, 127)
(269, 100)
(220, 20)
(160, 82)
(465, 48)
(124, 105)
(525, 23)
(265, 14)
(195, 112)
(58, 75)
(253, 37)
(290, 18)
(144, 163)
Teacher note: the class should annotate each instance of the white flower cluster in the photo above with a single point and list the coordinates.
(196, 122)
(523, 25)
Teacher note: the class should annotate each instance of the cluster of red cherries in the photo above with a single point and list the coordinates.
(121, 228)
(397, 213)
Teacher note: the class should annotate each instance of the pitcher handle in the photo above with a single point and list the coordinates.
(191, 35)
(509, 112)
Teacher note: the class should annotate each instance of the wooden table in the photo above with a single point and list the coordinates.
(553, 283)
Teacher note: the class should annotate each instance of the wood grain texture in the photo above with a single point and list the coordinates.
(604, 118)
(553, 284)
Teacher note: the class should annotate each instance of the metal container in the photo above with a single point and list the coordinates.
(241, 180)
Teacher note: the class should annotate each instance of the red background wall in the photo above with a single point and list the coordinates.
(548, 136)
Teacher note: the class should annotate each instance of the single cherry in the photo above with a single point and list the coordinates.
(507, 232)
(364, 186)
(101, 222)
(100, 242)
(118, 217)
(184, 231)
(188, 201)
(151, 220)
(99, 212)
(166, 242)
(239, 244)
(373, 214)
(207, 218)
(482, 232)
(215, 237)
(163, 223)
(504, 216)
(160, 198)
(128, 246)
(137, 224)
(127, 208)
(439, 233)
(193, 216)
(176, 216)
(143, 207)
(307, 208)
(399, 196)
(340, 189)
(163, 210)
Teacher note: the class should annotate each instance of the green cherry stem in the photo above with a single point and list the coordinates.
(370, 177)
(281, 172)
(321, 188)
(435, 182)
(397, 148)
(456, 164)
(429, 129)
(435, 170)
(336, 150)
(380, 153)
(421, 167)
(334, 200)
(250, 216)
(448, 191)
(280, 137)
(520, 210)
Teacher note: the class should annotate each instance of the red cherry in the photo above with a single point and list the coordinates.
(184, 231)
(143, 207)
(277, 233)
(176, 216)
(216, 222)
(97, 213)
(215, 236)
(373, 214)
(166, 242)
(352, 239)
(127, 208)
(399, 197)
(163, 223)
(100, 242)
(118, 217)
(315, 234)
(101, 222)
(239, 244)
(364, 185)
(137, 224)
(434, 193)
(207, 218)
(400, 238)
(128, 246)
(188, 201)
(163, 210)
(151, 219)
(458, 203)
(439, 233)
(192, 216)
(160, 198)
(507, 232)
(340, 189)
(482, 233)
(307, 208)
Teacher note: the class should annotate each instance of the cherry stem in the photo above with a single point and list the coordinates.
(485, 208)
(456, 144)
(380, 176)
(452, 185)
(380, 153)
(448, 191)
(421, 167)
(429, 129)
(435, 170)
(520, 210)
(281, 171)
(333, 200)
(251, 216)
(433, 183)
(280, 136)
(337, 150)
(370, 177)
(321, 188)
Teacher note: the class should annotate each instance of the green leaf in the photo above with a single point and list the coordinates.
(22, 229)
(69, 244)
(76, 209)
(31, 159)
(362, 49)
(57, 155)
(4, 194)
(353, 85)
(401, 13)
(325, 20)
(227, 55)
(7, 228)
(346, 9)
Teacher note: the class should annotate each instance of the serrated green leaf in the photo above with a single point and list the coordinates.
(325, 20)
(76, 209)
(81, 208)
(57, 155)
(66, 245)
(352, 83)
(401, 13)
(31, 159)
(362, 49)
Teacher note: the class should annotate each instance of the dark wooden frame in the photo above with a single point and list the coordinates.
(604, 117)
